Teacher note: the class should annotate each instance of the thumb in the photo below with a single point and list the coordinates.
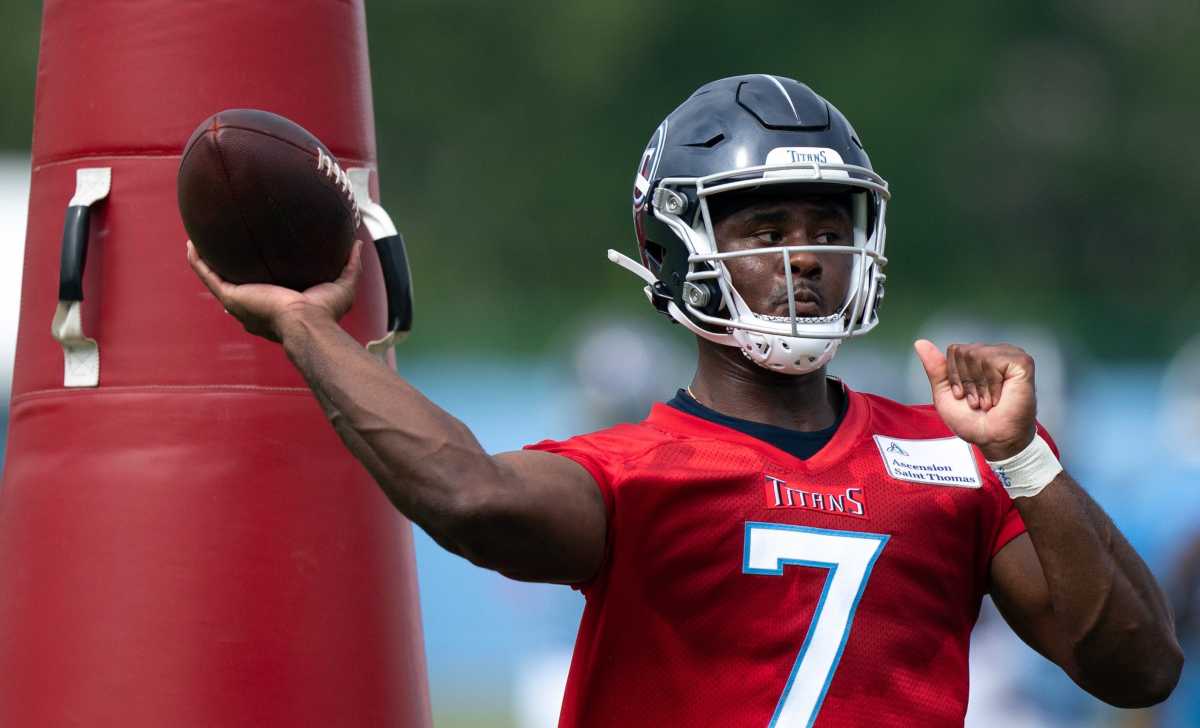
(934, 362)
(349, 275)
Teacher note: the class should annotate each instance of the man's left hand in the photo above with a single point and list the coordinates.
(984, 393)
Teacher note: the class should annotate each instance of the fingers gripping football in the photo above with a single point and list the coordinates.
(261, 308)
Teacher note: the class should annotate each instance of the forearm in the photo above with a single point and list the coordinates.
(1106, 602)
(531, 515)
(428, 463)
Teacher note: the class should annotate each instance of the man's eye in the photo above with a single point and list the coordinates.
(829, 238)
(771, 237)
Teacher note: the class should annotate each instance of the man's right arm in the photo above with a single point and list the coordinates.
(529, 515)
(533, 516)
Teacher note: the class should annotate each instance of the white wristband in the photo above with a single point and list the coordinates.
(1029, 471)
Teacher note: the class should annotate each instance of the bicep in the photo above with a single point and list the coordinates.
(1022, 596)
(550, 520)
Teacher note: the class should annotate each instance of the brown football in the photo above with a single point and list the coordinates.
(264, 201)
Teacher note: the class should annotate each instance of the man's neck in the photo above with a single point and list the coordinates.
(731, 384)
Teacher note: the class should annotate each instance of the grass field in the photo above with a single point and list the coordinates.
(472, 720)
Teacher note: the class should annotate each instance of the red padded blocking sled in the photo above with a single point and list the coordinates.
(189, 543)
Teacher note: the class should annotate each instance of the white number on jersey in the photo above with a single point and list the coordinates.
(849, 556)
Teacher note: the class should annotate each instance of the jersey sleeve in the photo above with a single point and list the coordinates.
(1011, 524)
(602, 454)
(587, 454)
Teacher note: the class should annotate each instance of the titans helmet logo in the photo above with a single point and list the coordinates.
(648, 165)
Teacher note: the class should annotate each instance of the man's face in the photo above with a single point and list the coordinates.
(753, 222)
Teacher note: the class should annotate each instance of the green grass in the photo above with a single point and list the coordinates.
(472, 720)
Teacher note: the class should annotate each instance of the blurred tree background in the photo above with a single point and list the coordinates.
(1042, 155)
(1045, 170)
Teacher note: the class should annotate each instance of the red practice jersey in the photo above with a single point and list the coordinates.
(745, 587)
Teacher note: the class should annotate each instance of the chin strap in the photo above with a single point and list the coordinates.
(632, 266)
(657, 294)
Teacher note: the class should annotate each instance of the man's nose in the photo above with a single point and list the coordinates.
(803, 263)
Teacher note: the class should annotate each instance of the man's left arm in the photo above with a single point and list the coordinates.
(1076, 591)
(1072, 586)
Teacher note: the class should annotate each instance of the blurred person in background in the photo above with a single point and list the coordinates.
(770, 546)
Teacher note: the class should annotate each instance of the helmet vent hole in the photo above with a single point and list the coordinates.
(811, 359)
(709, 144)
(777, 366)
(785, 346)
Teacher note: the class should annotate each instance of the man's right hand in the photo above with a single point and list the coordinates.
(264, 309)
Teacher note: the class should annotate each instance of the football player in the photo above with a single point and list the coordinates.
(770, 547)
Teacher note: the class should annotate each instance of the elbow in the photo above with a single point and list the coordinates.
(493, 532)
(457, 506)
(1147, 683)
(471, 522)
(1160, 681)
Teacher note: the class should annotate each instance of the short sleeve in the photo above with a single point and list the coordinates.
(587, 455)
(1011, 524)
(609, 455)
(593, 460)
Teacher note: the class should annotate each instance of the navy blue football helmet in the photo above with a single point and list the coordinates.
(739, 134)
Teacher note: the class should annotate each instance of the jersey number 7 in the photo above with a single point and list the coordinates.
(849, 556)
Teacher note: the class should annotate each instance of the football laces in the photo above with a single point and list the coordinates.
(328, 166)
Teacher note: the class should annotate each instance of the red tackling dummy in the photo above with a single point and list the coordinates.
(184, 541)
